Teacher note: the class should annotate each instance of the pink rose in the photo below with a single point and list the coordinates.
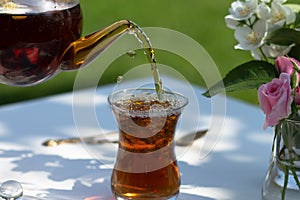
(286, 65)
(275, 99)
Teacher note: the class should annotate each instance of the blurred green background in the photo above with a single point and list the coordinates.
(201, 20)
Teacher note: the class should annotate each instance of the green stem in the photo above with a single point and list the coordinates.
(277, 128)
(263, 55)
(295, 177)
(292, 168)
(295, 66)
(284, 129)
(286, 178)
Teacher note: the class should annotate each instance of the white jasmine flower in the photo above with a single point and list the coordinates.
(250, 39)
(241, 10)
(280, 15)
(278, 1)
(263, 11)
(273, 50)
(231, 22)
(256, 54)
(266, 1)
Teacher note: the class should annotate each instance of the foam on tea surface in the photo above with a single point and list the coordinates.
(137, 103)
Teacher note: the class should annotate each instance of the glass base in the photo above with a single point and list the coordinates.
(273, 185)
(173, 197)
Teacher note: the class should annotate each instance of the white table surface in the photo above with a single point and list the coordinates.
(226, 164)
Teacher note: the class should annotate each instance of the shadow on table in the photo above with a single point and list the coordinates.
(79, 176)
(84, 175)
(185, 196)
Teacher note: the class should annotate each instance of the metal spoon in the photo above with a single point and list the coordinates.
(112, 137)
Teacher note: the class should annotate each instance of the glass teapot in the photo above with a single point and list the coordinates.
(41, 38)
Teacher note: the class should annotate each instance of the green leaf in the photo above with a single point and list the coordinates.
(294, 79)
(249, 75)
(284, 36)
(297, 21)
(295, 52)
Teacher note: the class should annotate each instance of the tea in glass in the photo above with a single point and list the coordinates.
(146, 166)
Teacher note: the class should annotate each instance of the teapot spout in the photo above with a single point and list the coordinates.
(84, 50)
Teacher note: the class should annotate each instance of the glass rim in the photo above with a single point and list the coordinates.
(292, 120)
(182, 102)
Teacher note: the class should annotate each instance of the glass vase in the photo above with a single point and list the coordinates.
(283, 176)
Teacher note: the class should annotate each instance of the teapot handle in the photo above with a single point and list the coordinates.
(78, 52)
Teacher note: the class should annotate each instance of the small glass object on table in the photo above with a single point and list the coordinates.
(13, 190)
(146, 166)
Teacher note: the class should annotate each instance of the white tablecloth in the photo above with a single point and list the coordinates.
(226, 164)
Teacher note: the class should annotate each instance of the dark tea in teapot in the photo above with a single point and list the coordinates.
(34, 35)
